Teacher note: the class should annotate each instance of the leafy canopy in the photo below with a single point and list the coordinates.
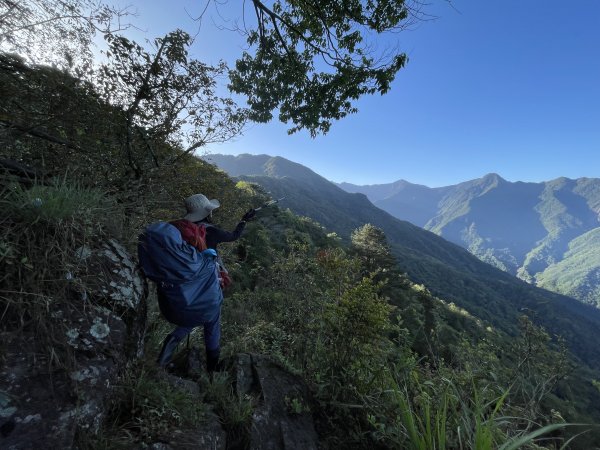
(313, 58)
(166, 95)
(57, 32)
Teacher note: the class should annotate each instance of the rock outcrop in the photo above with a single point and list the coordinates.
(55, 383)
(282, 418)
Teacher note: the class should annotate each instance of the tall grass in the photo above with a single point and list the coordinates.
(437, 417)
(57, 202)
(42, 230)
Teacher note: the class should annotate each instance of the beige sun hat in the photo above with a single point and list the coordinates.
(199, 207)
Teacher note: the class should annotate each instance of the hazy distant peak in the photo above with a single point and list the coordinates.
(346, 184)
(560, 182)
(262, 165)
(493, 178)
(401, 184)
(249, 155)
(394, 185)
(262, 158)
(233, 164)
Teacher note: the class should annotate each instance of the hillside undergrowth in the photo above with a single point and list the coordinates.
(388, 364)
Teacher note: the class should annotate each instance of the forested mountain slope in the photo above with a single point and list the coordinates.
(531, 230)
(380, 361)
(447, 269)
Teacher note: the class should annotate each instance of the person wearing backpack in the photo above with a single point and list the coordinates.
(203, 309)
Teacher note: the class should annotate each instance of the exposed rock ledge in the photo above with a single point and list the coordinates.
(46, 399)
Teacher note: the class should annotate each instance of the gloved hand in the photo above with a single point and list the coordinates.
(249, 215)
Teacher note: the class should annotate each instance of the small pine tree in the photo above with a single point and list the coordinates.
(371, 246)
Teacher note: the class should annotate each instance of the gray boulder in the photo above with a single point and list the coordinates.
(282, 418)
(55, 382)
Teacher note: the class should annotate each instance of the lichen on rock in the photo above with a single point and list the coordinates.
(46, 399)
(99, 330)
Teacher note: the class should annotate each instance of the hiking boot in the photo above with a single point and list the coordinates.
(168, 348)
(212, 360)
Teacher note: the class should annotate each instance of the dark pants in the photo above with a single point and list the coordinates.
(212, 333)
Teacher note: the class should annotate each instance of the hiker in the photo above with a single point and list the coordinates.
(194, 224)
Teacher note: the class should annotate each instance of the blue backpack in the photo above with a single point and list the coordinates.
(187, 279)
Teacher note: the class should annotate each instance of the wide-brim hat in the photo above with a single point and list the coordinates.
(199, 207)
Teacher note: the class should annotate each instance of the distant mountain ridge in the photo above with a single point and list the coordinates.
(412, 202)
(544, 233)
(447, 269)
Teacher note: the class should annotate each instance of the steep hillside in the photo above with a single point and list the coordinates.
(447, 269)
(313, 353)
(526, 229)
(578, 272)
(272, 166)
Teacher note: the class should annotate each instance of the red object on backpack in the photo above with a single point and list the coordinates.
(193, 234)
(224, 278)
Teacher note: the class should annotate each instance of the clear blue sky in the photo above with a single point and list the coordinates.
(511, 87)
